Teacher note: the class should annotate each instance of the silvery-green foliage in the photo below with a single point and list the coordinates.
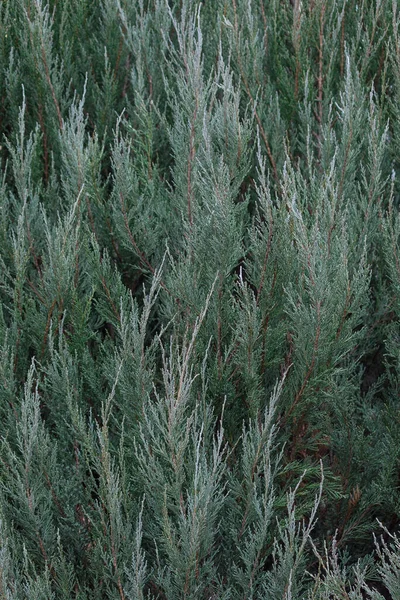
(199, 293)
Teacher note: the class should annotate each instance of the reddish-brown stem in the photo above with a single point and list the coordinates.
(53, 94)
(310, 370)
(40, 541)
(371, 41)
(296, 78)
(46, 332)
(265, 327)
(115, 563)
(116, 68)
(243, 524)
(127, 77)
(219, 342)
(343, 533)
(32, 249)
(142, 256)
(264, 337)
(54, 495)
(344, 314)
(331, 228)
(346, 158)
(113, 307)
(380, 67)
(232, 353)
(76, 453)
(45, 146)
(36, 292)
(46, 70)
(17, 344)
(76, 277)
(266, 256)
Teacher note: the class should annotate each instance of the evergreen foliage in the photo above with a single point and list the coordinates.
(200, 300)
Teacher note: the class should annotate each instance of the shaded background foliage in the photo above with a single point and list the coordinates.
(200, 273)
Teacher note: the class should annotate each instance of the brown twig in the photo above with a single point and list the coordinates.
(53, 94)
(108, 294)
(54, 495)
(118, 60)
(45, 145)
(346, 157)
(36, 292)
(266, 257)
(344, 314)
(141, 255)
(46, 332)
(310, 368)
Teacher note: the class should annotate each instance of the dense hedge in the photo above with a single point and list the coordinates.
(200, 299)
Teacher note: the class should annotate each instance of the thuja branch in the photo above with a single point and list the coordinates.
(253, 103)
(192, 154)
(320, 112)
